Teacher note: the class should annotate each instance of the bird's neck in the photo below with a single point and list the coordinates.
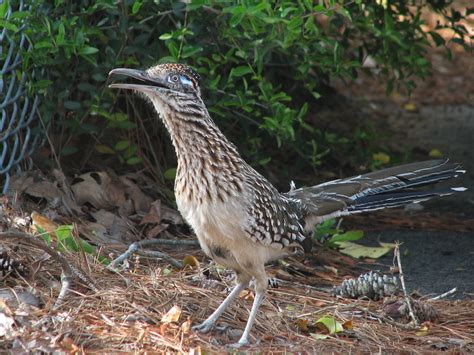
(209, 165)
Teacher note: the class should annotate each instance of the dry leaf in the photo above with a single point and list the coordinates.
(43, 189)
(246, 295)
(191, 261)
(410, 107)
(424, 330)
(118, 229)
(44, 224)
(153, 233)
(186, 326)
(361, 251)
(381, 157)
(154, 214)
(172, 315)
(302, 324)
(348, 325)
(141, 202)
(99, 190)
(435, 153)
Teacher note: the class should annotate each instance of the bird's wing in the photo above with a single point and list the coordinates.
(385, 188)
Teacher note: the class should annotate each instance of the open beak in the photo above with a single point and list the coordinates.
(143, 82)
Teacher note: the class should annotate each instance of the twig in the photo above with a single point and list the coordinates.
(134, 247)
(443, 295)
(158, 254)
(173, 242)
(414, 319)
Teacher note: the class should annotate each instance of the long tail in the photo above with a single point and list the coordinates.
(386, 188)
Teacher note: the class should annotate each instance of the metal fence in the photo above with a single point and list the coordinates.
(19, 113)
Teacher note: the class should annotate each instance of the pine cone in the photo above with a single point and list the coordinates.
(398, 309)
(372, 285)
(10, 266)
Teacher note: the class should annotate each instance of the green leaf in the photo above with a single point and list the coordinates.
(8, 25)
(64, 232)
(437, 39)
(241, 71)
(170, 174)
(72, 105)
(130, 151)
(122, 145)
(104, 149)
(3, 8)
(347, 236)
(136, 7)
(196, 4)
(236, 19)
(165, 36)
(45, 236)
(42, 44)
(61, 34)
(327, 227)
(87, 50)
(69, 150)
(332, 325)
(361, 251)
(134, 160)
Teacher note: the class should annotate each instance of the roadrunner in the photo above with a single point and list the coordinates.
(240, 219)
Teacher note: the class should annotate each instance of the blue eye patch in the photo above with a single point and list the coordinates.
(185, 81)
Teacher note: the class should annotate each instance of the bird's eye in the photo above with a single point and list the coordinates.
(174, 78)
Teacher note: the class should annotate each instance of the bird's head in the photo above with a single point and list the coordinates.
(174, 85)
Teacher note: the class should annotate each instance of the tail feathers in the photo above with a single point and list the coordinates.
(396, 199)
(386, 188)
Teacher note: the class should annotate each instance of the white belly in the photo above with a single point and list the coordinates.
(222, 225)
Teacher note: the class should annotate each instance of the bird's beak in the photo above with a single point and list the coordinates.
(144, 83)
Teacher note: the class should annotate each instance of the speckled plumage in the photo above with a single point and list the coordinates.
(239, 218)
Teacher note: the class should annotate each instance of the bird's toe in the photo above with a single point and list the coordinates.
(204, 327)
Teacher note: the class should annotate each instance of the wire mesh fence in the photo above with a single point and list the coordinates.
(19, 135)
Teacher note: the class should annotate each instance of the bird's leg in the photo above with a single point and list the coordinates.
(261, 284)
(207, 325)
(244, 339)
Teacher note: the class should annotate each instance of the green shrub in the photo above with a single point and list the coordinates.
(264, 65)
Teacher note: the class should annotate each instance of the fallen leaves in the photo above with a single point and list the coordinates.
(361, 251)
(330, 324)
(381, 158)
(43, 224)
(191, 261)
(324, 327)
(172, 316)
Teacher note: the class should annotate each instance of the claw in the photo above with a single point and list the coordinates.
(203, 328)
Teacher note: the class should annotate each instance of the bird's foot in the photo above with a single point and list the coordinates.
(242, 342)
(204, 327)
